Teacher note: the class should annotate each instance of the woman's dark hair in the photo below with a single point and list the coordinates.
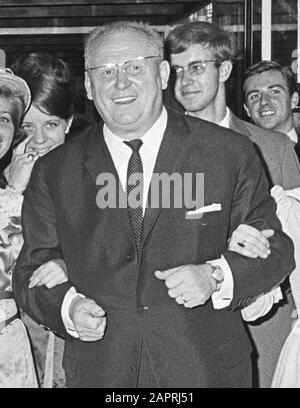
(50, 81)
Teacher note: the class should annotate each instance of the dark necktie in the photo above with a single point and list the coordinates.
(135, 185)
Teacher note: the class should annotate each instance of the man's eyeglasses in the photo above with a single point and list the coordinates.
(194, 68)
(133, 67)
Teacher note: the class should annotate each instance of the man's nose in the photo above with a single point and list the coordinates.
(122, 80)
(186, 77)
(264, 98)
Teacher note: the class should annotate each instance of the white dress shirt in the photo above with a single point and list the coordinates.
(121, 153)
(292, 134)
(225, 122)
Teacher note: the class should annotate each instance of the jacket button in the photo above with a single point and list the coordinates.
(143, 308)
(130, 257)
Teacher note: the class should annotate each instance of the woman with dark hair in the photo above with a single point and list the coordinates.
(50, 115)
(46, 123)
(16, 364)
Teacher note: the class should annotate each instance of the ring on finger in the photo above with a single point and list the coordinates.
(242, 244)
(31, 156)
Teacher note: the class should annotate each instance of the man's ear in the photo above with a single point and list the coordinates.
(294, 100)
(247, 110)
(164, 68)
(225, 70)
(87, 84)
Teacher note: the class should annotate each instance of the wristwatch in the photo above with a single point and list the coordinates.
(218, 275)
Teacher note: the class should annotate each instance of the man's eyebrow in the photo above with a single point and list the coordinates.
(251, 92)
(269, 87)
(277, 86)
(191, 62)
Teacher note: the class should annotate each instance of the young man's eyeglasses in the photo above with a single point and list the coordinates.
(133, 67)
(194, 68)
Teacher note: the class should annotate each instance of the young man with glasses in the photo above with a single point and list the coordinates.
(201, 56)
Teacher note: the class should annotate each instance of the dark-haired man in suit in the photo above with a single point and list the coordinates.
(271, 94)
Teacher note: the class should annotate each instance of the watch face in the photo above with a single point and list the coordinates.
(218, 274)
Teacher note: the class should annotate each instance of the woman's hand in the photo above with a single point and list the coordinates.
(250, 242)
(50, 274)
(19, 170)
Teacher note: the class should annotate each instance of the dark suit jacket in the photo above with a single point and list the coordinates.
(297, 146)
(276, 150)
(199, 347)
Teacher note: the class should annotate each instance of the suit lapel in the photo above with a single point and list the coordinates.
(297, 147)
(237, 125)
(99, 161)
(176, 138)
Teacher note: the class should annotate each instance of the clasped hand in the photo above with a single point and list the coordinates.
(88, 318)
(189, 285)
(193, 285)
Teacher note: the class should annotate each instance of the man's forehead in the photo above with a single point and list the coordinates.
(194, 52)
(266, 79)
(120, 46)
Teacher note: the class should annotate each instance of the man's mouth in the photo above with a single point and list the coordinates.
(267, 113)
(124, 100)
(190, 93)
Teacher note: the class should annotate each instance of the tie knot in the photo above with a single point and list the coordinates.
(134, 144)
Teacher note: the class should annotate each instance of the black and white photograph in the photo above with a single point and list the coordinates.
(149, 197)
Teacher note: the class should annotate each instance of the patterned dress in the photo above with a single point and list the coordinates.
(16, 363)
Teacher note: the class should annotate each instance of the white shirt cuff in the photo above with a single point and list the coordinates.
(261, 305)
(69, 296)
(223, 297)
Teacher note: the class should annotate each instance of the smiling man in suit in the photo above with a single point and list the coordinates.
(153, 295)
(271, 94)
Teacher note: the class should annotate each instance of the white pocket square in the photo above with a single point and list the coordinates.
(205, 209)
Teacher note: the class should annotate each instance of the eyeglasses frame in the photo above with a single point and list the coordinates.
(121, 64)
(180, 70)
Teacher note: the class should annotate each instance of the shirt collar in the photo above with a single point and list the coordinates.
(225, 122)
(293, 135)
(151, 138)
